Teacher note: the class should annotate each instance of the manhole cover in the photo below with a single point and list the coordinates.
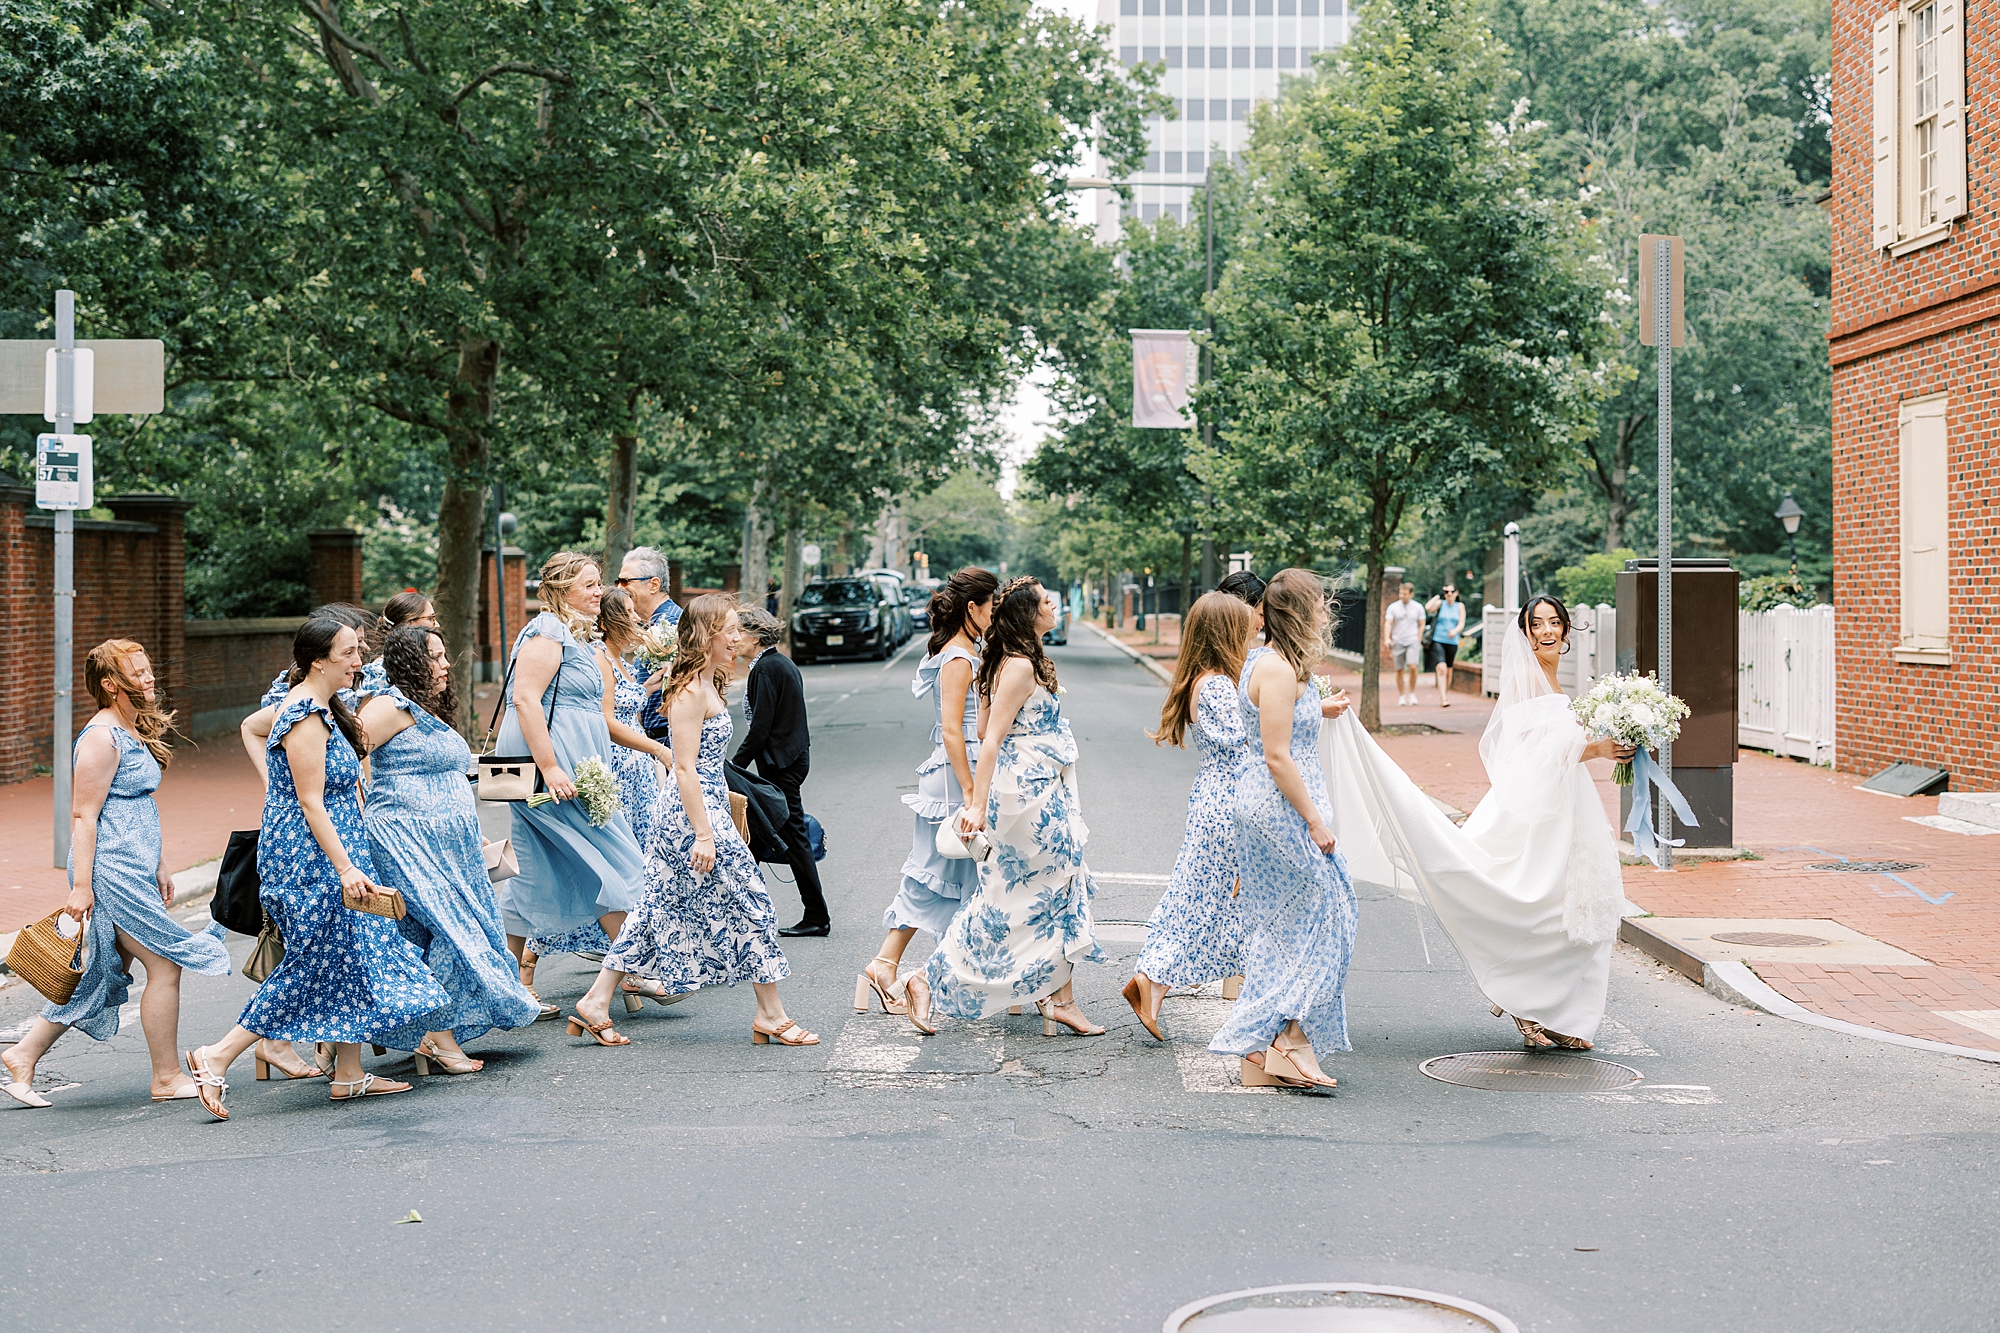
(1530, 1071)
(1866, 867)
(1337, 1308)
(1768, 939)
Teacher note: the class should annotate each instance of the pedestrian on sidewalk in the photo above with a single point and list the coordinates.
(935, 886)
(776, 736)
(1025, 927)
(423, 831)
(1297, 901)
(1195, 934)
(1447, 615)
(644, 575)
(119, 886)
(347, 976)
(1403, 622)
(703, 917)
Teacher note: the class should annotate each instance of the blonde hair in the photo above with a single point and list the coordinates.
(1296, 621)
(1213, 641)
(561, 572)
(702, 621)
(108, 677)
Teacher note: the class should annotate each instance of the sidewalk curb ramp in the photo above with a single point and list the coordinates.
(1735, 983)
(1165, 675)
(193, 887)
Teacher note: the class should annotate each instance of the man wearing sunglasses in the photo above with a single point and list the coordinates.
(644, 576)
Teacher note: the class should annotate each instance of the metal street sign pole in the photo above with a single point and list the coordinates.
(59, 757)
(1665, 298)
(1208, 425)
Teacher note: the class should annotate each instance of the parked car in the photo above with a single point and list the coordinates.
(917, 596)
(894, 609)
(906, 621)
(846, 617)
(1059, 632)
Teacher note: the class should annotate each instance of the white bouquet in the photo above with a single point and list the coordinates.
(656, 646)
(1324, 686)
(1632, 710)
(596, 787)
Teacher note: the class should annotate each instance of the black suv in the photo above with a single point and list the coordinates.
(850, 617)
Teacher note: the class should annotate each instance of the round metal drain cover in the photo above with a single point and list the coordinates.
(1866, 867)
(1337, 1308)
(1768, 939)
(1530, 1071)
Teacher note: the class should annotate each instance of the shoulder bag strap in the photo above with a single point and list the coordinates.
(500, 705)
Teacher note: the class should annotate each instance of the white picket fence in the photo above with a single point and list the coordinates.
(1593, 647)
(1784, 696)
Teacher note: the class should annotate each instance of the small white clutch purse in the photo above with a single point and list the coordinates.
(952, 847)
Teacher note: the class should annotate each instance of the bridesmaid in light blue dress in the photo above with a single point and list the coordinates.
(1297, 901)
(423, 829)
(122, 895)
(1018, 937)
(572, 874)
(1196, 934)
(348, 977)
(935, 886)
(636, 759)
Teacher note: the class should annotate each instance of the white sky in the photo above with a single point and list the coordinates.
(1026, 418)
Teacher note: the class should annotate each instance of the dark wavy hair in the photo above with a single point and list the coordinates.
(314, 643)
(1562, 612)
(406, 661)
(968, 587)
(1012, 633)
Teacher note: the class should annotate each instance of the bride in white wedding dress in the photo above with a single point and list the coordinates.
(1529, 888)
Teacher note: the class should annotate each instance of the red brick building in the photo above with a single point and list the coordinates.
(1915, 344)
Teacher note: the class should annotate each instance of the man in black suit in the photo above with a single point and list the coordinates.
(774, 706)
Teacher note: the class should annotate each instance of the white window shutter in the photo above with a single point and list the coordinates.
(1926, 519)
(1886, 70)
(1951, 108)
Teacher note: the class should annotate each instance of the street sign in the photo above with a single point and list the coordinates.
(81, 397)
(129, 376)
(62, 472)
(809, 553)
(1649, 318)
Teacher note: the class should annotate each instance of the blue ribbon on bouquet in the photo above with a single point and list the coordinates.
(1646, 840)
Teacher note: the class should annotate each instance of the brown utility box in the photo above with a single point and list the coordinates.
(1705, 676)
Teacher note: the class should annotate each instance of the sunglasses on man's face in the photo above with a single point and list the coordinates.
(650, 578)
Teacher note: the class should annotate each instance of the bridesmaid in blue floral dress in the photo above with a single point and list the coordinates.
(935, 886)
(1019, 935)
(348, 977)
(705, 918)
(636, 759)
(573, 873)
(423, 830)
(1297, 901)
(1195, 934)
(123, 891)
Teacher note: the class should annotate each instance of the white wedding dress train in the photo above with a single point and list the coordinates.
(1529, 888)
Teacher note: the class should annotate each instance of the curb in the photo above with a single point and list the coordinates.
(193, 887)
(1735, 983)
(1166, 676)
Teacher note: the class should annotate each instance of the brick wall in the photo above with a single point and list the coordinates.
(230, 664)
(1925, 323)
(516, 605)
(336, 566)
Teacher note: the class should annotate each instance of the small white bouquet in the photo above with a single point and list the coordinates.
(1632, 710)
(1323, 684)
(596, 787)
(656, 646)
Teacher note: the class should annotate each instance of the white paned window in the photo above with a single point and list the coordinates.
(1925, 490)
(1918, 69)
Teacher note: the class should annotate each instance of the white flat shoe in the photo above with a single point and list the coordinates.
(26, 1095)
(188, 1092)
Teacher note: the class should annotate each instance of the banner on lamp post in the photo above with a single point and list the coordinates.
(1161, 376)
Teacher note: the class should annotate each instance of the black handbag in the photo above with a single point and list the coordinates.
(235, 902)
(768, 813)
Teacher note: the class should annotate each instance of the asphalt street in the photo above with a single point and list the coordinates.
(1763, 1175)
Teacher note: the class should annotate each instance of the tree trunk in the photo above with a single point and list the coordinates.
(622, 499)
(462, 513)
(1614, 485)
(1371, 646)
(1187, 578)
(756, 547)
(788, 587)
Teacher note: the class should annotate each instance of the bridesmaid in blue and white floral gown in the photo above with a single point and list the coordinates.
(1297, 901)
(1028, 923)
(124, 891)
(704, 918)
(1196, 934)
(423, 830)
(348, 977)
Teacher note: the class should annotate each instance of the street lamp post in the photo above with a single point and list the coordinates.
(1789, 514)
